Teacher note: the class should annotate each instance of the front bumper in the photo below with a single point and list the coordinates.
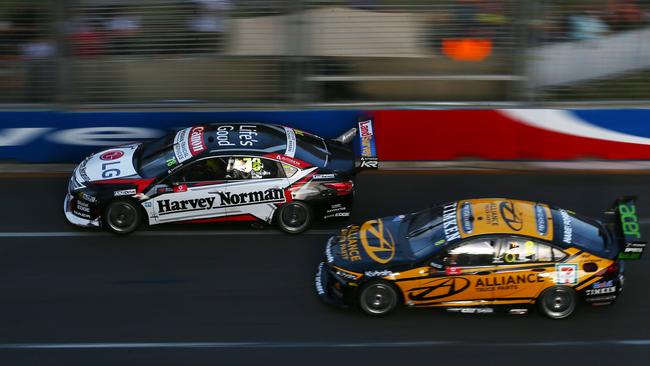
(75, 219)
(326, 287)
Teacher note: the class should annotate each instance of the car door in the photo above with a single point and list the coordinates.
(524, 268)
(256, 187)
(451, 279)
(193, 192)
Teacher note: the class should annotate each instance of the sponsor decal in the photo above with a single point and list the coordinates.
(124, 192)
(511, 217)
(366, 134)
(180, 188)
(81, 214)
(87, 197)
(568, 228)
(268, 196)
(601, 288)
(471, 310)
(438, 289)
(450, 222)
(541, 221)
(245, 135)
(291, 142)
(328, 251)
(348, 243)
(147, 204)
(566, 274)
(439, 242)
(369, 162)
(197, 145)
(111, 155)
(188, 142)
(365, 129)
(324, 176)
(629, 220)
(319, 286)
(603, 284)
(380, 247)
(83, 206)
(288, 160)
(226, 199)
(338, 214)
(383, 273)
(506, 282)
(344, 274)
(453, 270)
(491, 214)
(336, 207)
(171, 162)
(467, 217)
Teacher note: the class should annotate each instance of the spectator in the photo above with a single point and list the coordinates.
(587, 25)
(624, 15)
(209, 25)
(38, 55)
(121, 30)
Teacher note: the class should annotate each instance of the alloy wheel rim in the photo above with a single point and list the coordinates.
(121, 216)
(378, 299)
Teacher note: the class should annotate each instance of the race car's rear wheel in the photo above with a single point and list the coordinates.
(378, 298)
(557, 302)
(122, 217)
(294, 217)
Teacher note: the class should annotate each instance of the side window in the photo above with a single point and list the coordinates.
(211, 169)
(243, 167)
(478, 252)
(522, 250)
(558, 255)
(289, 170)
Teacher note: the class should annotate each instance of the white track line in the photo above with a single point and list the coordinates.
(61, 234)
(41, 234)
(325, 344)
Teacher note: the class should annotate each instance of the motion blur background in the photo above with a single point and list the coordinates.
(246, 54)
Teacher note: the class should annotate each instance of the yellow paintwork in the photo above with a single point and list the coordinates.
(507, 284)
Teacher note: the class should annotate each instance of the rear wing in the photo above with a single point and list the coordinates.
(365, 148)
(628, 230)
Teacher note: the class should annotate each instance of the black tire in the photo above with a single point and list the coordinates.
(122, 217)
(557, 302)
(378, 298)
(294, 217)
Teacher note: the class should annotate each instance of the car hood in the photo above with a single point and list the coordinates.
(112, 163)
(375, 244)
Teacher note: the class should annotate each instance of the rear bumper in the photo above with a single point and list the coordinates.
(74, 218)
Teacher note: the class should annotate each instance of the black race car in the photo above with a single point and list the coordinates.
(219, 172)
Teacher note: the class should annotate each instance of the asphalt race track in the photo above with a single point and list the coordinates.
(215, 295)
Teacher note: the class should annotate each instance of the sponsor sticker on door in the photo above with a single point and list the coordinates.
(566, 274)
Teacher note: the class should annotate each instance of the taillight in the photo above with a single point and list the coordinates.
(341, 188)
(610, 271)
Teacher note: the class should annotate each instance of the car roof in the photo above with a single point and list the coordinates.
(248, 138)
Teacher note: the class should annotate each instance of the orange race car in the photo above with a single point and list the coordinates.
(478, 255)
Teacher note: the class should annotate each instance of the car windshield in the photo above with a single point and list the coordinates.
(424, 231)
(154, 158)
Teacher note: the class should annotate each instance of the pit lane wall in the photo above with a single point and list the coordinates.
(401, 135)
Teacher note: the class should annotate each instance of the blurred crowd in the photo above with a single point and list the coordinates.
(588, 20)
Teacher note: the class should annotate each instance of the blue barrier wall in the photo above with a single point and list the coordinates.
(67, 137)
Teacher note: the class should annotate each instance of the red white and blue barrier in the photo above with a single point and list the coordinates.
(400, 135)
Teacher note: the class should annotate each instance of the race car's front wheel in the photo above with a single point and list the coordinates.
(378, 298)
(122, 217)
(294, 217)
(557, 302)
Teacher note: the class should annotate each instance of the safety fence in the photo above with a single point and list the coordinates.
(249, 53)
